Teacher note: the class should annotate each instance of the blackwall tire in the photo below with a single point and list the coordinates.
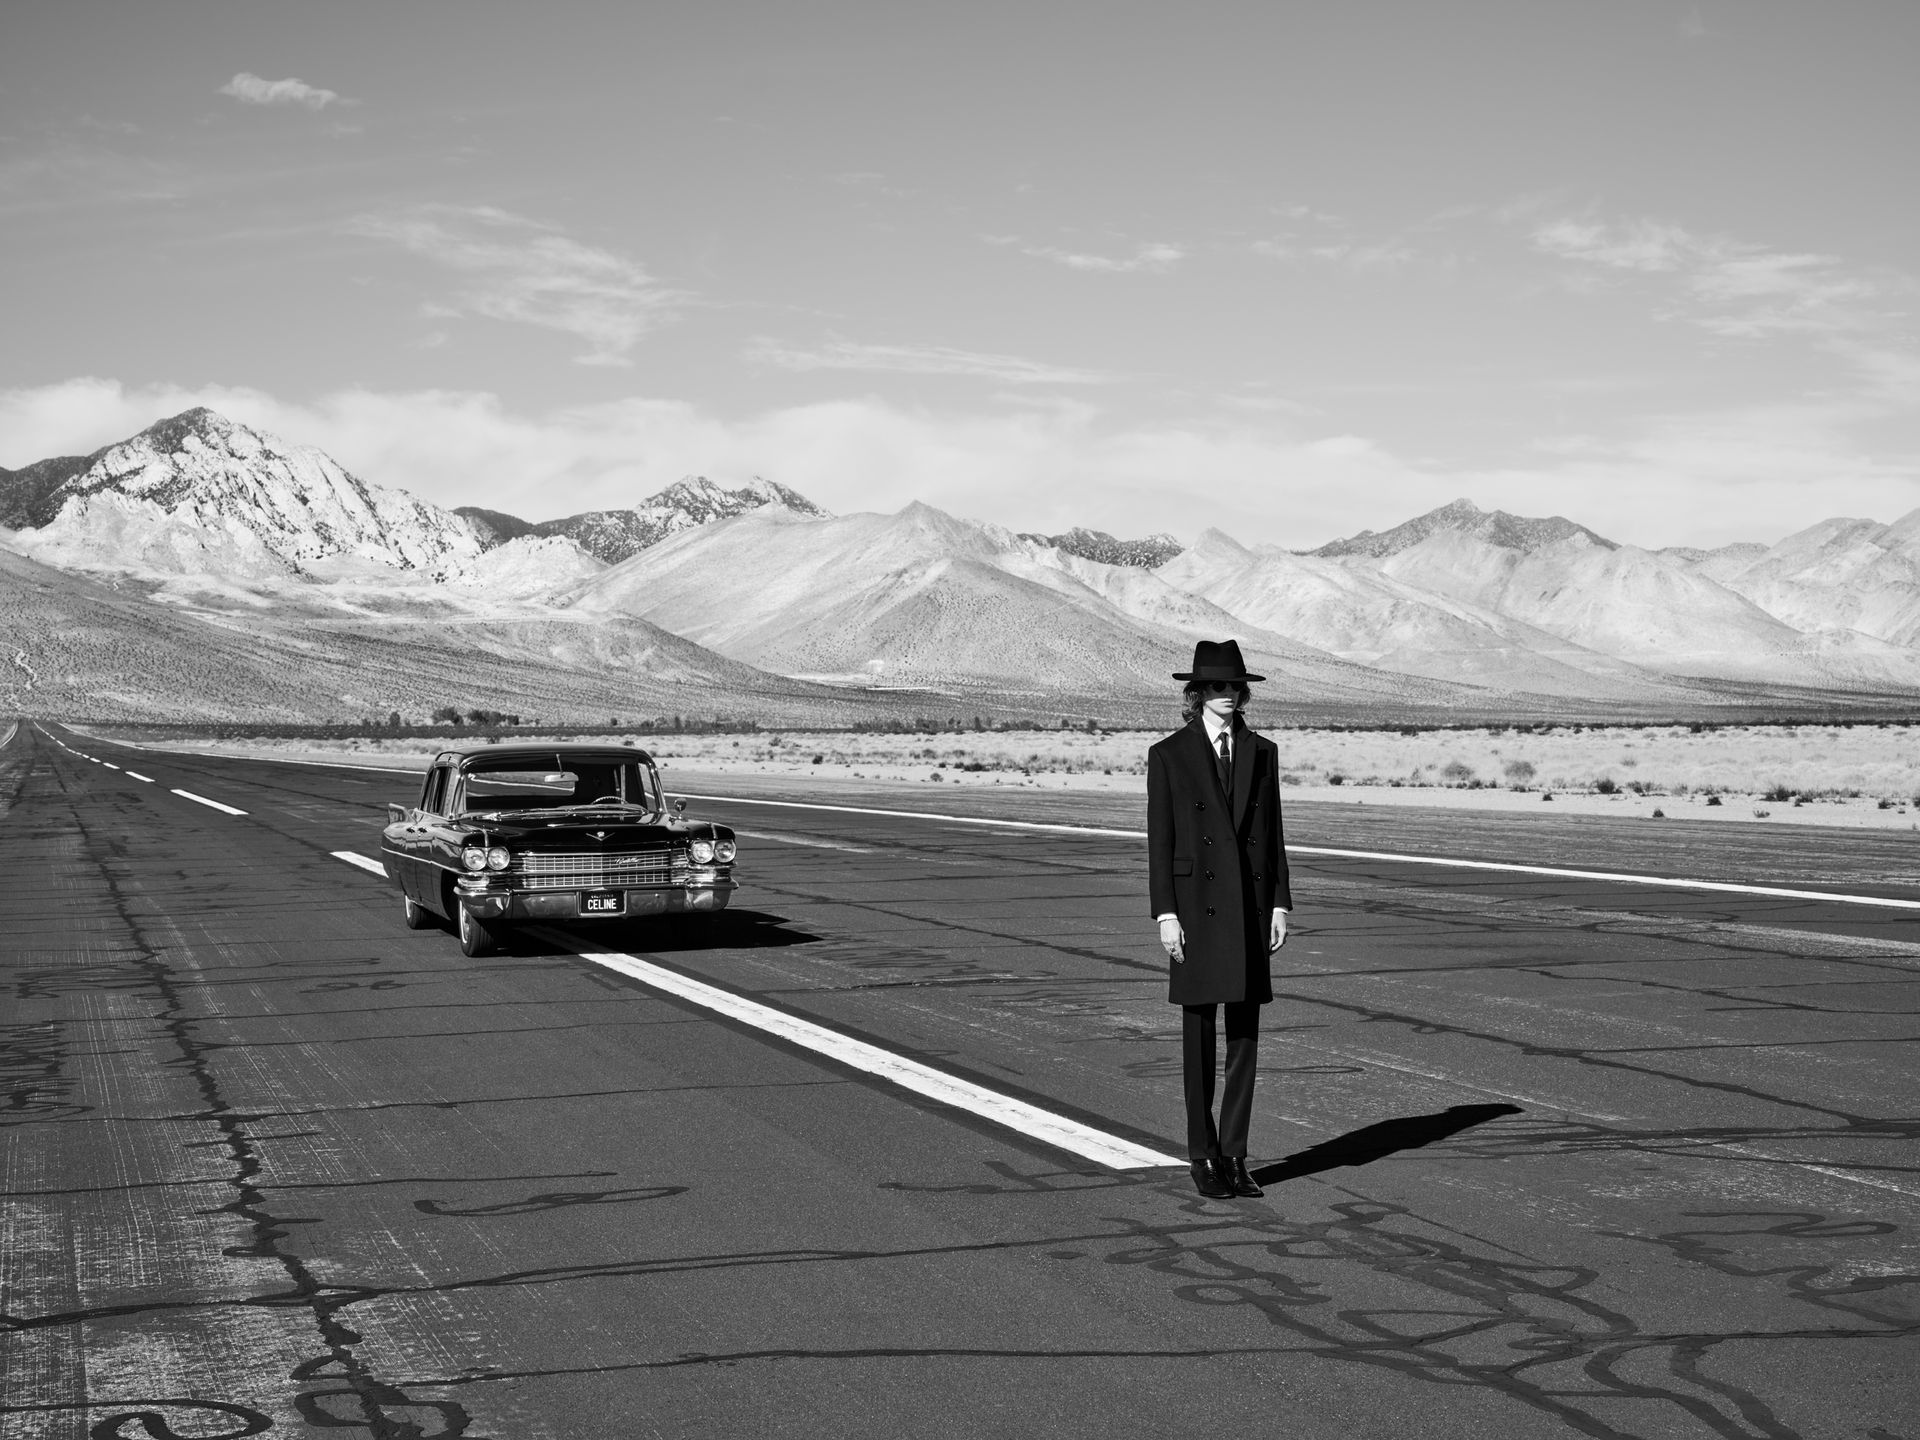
(477, 937)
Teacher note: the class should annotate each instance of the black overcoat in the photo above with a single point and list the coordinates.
(1218, 862)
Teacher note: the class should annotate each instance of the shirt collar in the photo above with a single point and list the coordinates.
(1214, 728)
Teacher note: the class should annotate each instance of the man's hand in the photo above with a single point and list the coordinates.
(1173, 940)
(1279, 936)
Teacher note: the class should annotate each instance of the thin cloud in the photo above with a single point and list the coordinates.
(1154, 256)
(520, 270)
(1387, 255)
(840, 354)
(251, 89)
(1728, 286)
(1637, 245)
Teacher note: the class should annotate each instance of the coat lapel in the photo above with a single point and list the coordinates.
(1246, 755)
(1202, 757)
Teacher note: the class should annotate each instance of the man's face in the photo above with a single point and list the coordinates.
(1220, 704)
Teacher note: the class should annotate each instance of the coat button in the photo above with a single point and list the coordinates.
(1206, 839)
(1210, 875)
(1209, 909)
(1199, 804)
(1256, 875)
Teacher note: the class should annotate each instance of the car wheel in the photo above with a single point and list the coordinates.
(417, 915)
(477, 937)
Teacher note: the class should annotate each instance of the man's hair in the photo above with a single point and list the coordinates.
(1194, 697)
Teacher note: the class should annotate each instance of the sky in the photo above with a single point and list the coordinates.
(1289, 270)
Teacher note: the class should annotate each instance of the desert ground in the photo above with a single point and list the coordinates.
(1836, 775)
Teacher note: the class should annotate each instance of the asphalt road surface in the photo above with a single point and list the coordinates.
(1545, 1155)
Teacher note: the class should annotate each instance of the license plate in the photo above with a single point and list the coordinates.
(603, 902)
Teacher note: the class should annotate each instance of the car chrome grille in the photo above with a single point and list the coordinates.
(591, 870)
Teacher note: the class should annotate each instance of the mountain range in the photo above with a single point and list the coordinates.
(283, 585)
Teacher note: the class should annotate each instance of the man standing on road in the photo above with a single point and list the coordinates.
(1217, 870)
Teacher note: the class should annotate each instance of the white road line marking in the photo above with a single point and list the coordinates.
(362, 861)
(211, 804)
(921, 815)
(109, 764)
(1618, 877)
(1718, 885)
(274, 759)
(138, 776)
(806, 840)
(1056, 1130)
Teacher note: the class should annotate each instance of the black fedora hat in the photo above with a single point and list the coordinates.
(1217, 660)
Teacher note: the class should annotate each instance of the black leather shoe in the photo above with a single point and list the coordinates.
(1234, 1169)
(1210, 1178)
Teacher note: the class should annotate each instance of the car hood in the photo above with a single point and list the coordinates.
(557, 830)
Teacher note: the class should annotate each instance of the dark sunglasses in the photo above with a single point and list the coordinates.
(1219, 687)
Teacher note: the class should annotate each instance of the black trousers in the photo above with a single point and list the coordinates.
(1198, 1054)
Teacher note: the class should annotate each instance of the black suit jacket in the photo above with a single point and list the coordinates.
(1217, 861)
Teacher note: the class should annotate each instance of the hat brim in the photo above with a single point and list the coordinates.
(1230, 679)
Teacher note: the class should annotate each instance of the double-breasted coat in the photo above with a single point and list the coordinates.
(1217, 861)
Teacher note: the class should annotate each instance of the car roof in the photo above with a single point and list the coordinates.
(564, 751)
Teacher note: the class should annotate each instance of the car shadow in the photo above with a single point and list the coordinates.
(665, 934)
(1376, 1142)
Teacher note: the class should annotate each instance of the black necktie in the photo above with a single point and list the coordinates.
(1224, 766)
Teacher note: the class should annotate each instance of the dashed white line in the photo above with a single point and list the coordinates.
(109, 764)
(138, 776)
(1058, 1131)
(210, 804)
(1613, 876)
(362, 861)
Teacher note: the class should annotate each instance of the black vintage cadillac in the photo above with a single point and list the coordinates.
(506, 833)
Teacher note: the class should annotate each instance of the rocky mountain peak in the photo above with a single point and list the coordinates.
(199, 492)
(1494, 527)
(616, 535)
(1148, 554)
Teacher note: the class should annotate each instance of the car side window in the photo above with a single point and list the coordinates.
(434, 796)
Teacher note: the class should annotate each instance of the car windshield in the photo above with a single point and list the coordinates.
(557, 782)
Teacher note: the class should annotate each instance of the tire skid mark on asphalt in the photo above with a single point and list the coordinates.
(239, 1316)
(1550, 871)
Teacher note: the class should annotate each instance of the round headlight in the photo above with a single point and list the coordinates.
(498, 858)
(703, 852)
(724, 851)
(474, 858)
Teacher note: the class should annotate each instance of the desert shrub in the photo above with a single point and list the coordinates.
(1604, 785)
(1713, 799)
(936, 775)
(819, 759)
(1658, 814)
(1546, 794)
(1885, 804)
(1778, 794)
(1456, 772)
(1334, 777)
(1519, 771)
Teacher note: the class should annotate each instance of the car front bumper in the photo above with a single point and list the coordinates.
(492, 901)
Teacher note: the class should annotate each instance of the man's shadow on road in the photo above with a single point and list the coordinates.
(1376, 1142)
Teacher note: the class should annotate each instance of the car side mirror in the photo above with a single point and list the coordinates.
(396, 814)
(680, 807)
